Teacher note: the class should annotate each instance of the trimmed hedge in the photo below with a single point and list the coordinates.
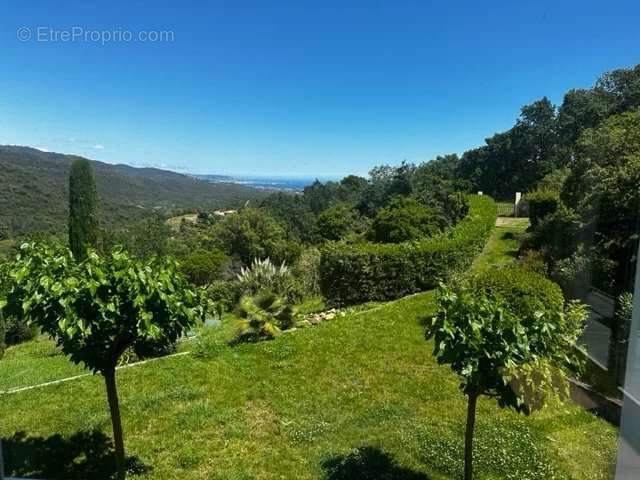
(357, 273)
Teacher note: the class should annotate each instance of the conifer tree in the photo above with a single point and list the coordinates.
(83, 202)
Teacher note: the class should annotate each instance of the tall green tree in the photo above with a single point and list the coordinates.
(254, 233)
(83, 206)
(99, 308)
(339, 220)
(405, 219)
(515, 160)
(502, 344)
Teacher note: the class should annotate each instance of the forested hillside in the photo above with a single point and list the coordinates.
(34, 191)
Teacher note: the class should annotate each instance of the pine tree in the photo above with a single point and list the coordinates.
(83, 202)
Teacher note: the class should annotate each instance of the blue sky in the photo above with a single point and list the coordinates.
(294, 88)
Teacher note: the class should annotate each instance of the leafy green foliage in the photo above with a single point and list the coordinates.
(517, 159)
(557, 233)
(544, 139)
(144, 239)
(101, 307)
(315, 394)
(2, 335)
(404, 219)
(437, 184)
(225, 293)
(294, 211)
(541, 203)
(17, 330)
(581, 109)
(622, 329)
(14, 326)
(358, 273)
(98, 308)
(525, 291)
(582, 269)
(253, 233)
(601, 208)
(511, 339)
(202, 267)
(263, 316)
(501, 330)
(83, 205)
(338, 221)
(306, 271)
(554, 181)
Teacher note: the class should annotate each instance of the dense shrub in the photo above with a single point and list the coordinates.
(363, 272)
(557, 233)
(144, 239)
(533, 260)
(540, 204)
(306, 271)
(225, 293)
(405, 219)
(13, 326)
(2, 342)
(254, 233)
(202, 267)
(338, 221)
(17, 331)
(619, 348)
(523, 291)
(586, 267)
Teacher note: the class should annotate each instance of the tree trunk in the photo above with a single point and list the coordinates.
(114, 406)
(468, 436)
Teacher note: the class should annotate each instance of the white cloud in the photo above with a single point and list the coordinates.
(42, 149)
(98, 147)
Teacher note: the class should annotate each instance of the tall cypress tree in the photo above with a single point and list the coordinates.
(83, 203)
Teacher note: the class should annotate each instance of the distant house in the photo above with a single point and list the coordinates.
(224, 213)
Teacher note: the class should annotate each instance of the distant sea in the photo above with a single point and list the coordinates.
(267, 183)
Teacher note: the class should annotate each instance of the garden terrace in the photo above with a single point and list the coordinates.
(357, 397)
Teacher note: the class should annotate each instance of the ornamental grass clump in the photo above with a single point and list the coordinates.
(265, 275)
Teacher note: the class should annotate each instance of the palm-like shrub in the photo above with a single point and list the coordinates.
(263, 316)
(265, 275)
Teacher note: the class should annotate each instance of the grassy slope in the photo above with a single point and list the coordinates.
(298, 407)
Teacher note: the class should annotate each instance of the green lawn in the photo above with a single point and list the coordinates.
(359, 397)
(502, 247)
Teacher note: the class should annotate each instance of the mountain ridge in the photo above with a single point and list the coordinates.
(34, 191)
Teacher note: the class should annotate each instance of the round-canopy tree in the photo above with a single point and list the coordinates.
(98, 308)
(504, 341)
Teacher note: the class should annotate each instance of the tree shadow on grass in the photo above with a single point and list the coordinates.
(368, 463)
(84, 455)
